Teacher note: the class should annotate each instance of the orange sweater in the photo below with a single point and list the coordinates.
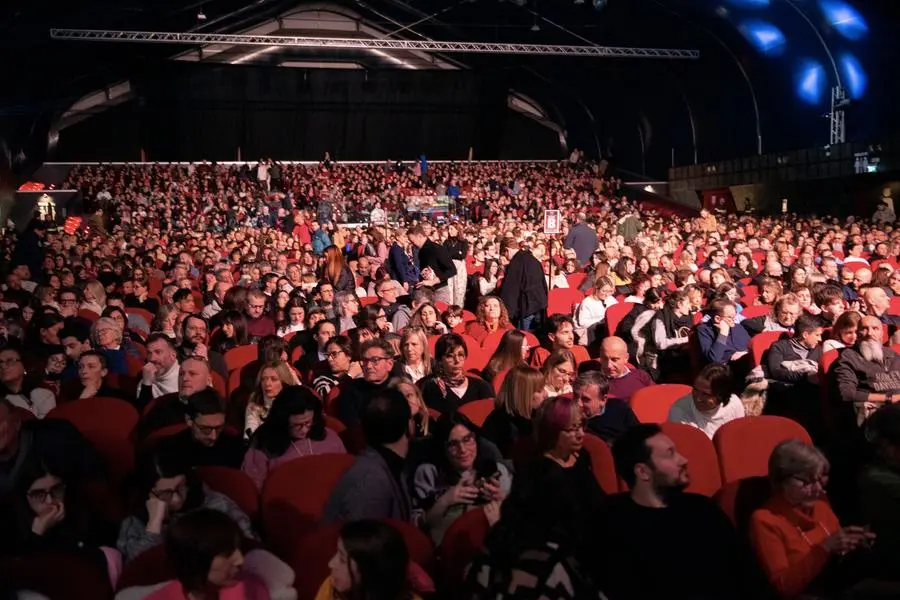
(787, 542)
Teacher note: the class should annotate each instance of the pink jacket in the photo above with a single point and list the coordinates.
(247, 587)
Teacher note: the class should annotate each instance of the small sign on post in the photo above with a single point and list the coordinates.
(551, 222)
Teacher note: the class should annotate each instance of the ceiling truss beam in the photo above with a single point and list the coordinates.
(164, 37)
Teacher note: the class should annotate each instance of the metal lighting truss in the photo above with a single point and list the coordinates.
(837, 116)
(290, 41)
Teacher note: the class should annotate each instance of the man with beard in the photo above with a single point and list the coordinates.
(653, 536)
(868, 374)
(195, 342)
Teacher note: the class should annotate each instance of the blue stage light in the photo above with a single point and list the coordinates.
(811, 82)
(853, 75)
(845, 19)
(749, 3)
(765, 37)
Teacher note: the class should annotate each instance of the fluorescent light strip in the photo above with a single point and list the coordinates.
(252, 55)
(393, 59)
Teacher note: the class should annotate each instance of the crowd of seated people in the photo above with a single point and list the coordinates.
(221, 364)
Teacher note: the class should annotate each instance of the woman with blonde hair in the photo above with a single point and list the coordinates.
(94, 297)
(415, 358)
(521, 393)
(592, 310)
(336, 272)
(272, 378)
(417, 407)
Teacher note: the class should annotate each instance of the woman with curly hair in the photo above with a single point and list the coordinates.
(490, 316)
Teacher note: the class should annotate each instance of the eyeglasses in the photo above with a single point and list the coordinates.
(334, 354)
(564, 372)
(821, 480)
(457, 445)
(167, 495)
(579, 426)
(374, 360)
(209, 429)
(57, 492)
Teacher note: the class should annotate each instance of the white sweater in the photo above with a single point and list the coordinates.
(39, 402)
(592, 311)
(685, 411)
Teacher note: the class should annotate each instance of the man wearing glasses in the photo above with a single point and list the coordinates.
(721, 339)
(259, 325)
(68, 302)
(205, 442)
(377, 361)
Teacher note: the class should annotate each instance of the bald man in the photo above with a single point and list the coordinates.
(194, 376)
(868, 374)
(877, 305)
(624, 379)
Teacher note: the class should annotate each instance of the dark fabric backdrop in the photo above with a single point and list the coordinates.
(191, 112)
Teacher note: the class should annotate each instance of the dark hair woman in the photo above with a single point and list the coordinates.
(168, 488)
(662, 343)
(43, 517)
(204, 550)
(294, 428)
(462, 472)
(451, 387)
(511, 352)
(232, 332)
(370, 563)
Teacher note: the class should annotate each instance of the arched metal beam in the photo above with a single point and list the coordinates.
(744, 74)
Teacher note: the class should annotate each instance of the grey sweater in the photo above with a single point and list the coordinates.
(135, 539)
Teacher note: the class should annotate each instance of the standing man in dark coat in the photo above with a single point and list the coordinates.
(582, 238)
(435, 265)
(29, 251)
(524, 290)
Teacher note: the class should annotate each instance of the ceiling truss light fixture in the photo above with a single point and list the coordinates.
(393, 59)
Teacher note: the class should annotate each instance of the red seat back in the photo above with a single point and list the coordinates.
(756, 311)
(651, 404)
(562, 301)
(478, 410)
(235, 484)
(241, 355)
(615, 314)
(703, 463)
(744, 447)
(108, 424)
(575, 280)
(56, 576)
(761, 342)
(294, 496)
(141, 312)
(462, 542)
(310, 555)
(602, 463)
